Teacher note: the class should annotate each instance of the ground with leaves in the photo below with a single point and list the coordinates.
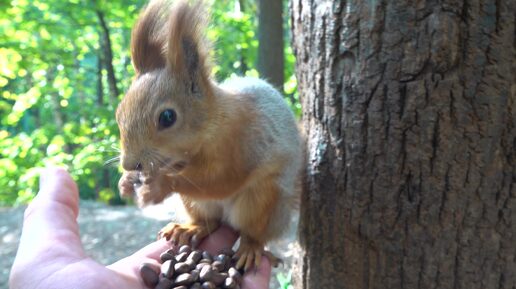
(110, 233)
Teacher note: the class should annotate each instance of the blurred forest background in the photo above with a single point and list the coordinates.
(65, 65)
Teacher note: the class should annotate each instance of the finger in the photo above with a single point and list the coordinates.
(224, 237)
(258, 278)
(130, 266)
(51, 218)
(153, 250)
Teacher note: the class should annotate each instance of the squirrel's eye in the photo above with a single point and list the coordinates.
(167, 118)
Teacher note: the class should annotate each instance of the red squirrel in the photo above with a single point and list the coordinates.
(232, 150)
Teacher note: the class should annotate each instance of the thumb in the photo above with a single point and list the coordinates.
(50, 221)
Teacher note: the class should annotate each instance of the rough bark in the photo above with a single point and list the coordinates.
(108, 56)
(409, 114)
(270, 48)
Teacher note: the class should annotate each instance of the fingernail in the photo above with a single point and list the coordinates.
(43, 177)
(49, 173)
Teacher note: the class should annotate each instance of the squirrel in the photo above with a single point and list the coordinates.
(232, 151)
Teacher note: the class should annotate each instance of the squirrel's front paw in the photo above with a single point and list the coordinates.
(146, 195)
(151, 191)
(128, 184)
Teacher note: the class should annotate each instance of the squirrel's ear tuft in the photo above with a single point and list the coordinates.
(148, 38)
(187, 47)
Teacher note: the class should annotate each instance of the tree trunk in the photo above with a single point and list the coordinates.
(270, 48)
(409, 114)
(55, 100)
(108, 56)
(243, 63)
(100, 86)
(79, 87)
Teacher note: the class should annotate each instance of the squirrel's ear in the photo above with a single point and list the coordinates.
(149, 37)
(187, 48)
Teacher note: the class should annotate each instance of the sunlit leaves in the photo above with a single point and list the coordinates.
(23, 102)
(232, 32)
(9, 59)
(48, 66)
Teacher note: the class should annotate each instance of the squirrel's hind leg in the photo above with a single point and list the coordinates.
(250, 253)
(256, 218)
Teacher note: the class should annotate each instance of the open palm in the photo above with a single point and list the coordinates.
(50, 254)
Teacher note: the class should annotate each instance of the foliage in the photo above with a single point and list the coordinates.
(285, 281)
(55, 104)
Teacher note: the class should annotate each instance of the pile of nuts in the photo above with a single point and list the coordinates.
(192, 269)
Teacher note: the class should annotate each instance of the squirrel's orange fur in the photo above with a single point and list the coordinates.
(233, 153)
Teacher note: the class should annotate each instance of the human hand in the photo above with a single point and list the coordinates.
(50, 254)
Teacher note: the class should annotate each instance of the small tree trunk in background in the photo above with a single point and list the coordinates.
(243, 62)
(104, 60)
(55, 100)
(409, 114)
(270, 48)
(99, 185)
(106, 178)
(81, 97)
(100, 86)
(108, 56)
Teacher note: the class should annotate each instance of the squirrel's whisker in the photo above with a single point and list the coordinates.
(112, 161)
(166, 165)
(115, 148)
(193, 184)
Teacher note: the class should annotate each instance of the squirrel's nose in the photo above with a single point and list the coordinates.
(131, 165)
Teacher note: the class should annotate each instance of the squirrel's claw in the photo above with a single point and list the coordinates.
(275, 261)
(250, 253)
(184, 234)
